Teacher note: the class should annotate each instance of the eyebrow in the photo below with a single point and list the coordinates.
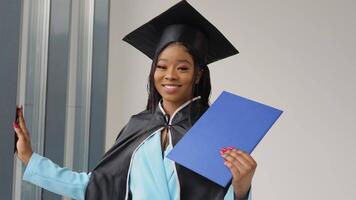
(180, 61)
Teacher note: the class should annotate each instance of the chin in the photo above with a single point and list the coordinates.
(175, 99)
(171, 98)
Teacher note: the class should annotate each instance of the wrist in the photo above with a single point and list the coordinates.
(242, 194)
(27, 158)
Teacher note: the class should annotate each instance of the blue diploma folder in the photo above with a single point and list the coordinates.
(230, 121)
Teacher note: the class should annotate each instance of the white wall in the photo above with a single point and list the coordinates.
(297, 55)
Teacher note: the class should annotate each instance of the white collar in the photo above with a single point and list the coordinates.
(178, 109)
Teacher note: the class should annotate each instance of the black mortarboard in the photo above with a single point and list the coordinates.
(181, 23)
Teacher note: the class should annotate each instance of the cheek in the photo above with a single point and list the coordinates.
(189, 80)
(188, 85)
(156, 79)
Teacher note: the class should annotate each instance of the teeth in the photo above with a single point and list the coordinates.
(170, 86)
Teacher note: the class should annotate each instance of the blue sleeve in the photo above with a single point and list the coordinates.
(230, 194)
(44, 173)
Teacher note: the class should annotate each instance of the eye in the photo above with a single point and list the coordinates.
(183, 68)
(161, 67)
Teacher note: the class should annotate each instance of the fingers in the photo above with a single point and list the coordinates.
(18, 131)
(244, 157)
(23, 144)
(238, 161)
(247, 156)
(20, 126)
(234, 170)
(22, 122)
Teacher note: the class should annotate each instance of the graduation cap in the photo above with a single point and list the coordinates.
(181, 23)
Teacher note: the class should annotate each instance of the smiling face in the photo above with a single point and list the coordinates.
(174, 75)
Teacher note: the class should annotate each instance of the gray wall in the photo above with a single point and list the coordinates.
(295, 55)
(9, 53)
(53, 60)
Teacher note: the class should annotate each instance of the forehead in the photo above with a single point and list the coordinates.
(175, 51)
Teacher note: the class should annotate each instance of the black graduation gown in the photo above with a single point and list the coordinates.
(109, 180)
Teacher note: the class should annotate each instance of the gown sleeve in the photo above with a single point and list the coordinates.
(44, 173)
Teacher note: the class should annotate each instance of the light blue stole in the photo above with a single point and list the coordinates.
(153, 176)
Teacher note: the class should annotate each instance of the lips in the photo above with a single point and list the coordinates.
(171, 88)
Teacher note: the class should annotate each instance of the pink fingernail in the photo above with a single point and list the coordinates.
(223, 150)
(15, 125)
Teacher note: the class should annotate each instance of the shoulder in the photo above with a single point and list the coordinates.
(197, 110)
(141, 117)
(136, 124)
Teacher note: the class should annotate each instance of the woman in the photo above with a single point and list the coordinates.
(181, 43)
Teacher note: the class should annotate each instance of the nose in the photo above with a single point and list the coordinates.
(170, 74)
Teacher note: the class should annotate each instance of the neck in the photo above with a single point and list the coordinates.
(170, 107)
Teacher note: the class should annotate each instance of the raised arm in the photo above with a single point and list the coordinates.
(43, 172)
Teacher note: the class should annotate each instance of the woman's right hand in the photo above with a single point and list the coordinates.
(23, 145)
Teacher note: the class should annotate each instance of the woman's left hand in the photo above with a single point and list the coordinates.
(242, 167)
